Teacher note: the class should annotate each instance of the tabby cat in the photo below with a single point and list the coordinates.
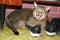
(39, 18)
(31, 18)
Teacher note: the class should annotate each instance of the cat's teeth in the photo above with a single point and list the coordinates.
(34, 35)
(50, 34)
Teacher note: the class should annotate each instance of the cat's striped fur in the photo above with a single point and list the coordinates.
(25, 16)
(17, 18)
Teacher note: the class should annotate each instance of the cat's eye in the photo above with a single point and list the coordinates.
(37, 14)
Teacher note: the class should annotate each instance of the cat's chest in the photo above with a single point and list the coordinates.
(32, 22)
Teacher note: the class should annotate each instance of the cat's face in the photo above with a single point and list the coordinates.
(40, 12)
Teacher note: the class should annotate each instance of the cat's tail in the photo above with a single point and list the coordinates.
(11, 26)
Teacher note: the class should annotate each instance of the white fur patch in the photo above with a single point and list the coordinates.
(32, 34)
(50, 34)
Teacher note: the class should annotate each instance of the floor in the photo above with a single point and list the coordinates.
(7, 34)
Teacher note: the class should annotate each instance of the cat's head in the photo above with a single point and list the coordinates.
(40, 12)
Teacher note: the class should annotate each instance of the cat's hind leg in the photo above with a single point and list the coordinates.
(11, 26)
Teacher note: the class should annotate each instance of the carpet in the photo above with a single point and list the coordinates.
(7, 34)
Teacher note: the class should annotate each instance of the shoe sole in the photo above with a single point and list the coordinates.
(50, 34)
(34, 35)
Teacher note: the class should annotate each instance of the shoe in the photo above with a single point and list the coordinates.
(58, 26)
(34, 31)
(58, 30)
(50, 28)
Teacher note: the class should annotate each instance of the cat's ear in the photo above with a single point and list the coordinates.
(47, 8)
(35, 4)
